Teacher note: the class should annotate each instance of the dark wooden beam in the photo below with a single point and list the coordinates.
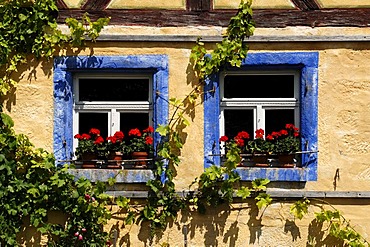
(263, 18)
(96, 4)
(306, 4)
(61, 4)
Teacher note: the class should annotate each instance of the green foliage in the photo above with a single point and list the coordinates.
(300, 208)
(31, 186)
(263, 200)
(338, 226)
(231, 51)
(30, 27)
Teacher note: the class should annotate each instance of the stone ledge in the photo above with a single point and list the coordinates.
(275, 174)
(122, 176)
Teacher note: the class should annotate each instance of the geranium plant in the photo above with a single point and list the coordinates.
(140, 141)
(239, 140)
(260, 144)
(91, 143)
(287, 140)
(116, 142)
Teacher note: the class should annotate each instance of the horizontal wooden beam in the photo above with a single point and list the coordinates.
(252, 39)
(263, 18)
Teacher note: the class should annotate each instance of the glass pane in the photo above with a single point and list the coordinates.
(134, 120)
(276, 119)
(259, 86)
(114, 89)
(238, 120)
(93, 120)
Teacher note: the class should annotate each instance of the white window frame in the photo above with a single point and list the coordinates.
(259, 105)
(112, 108)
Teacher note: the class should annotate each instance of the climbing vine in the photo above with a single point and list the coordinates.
(32, 187)
(30, 27)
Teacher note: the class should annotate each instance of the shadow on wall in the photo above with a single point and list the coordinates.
(219, 226)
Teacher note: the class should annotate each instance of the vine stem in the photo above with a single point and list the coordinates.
(343, 218)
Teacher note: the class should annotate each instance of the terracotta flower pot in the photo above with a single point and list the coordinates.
(140, 156)
(260, 159)
(115, 160)
(286, 160)
(88, 160)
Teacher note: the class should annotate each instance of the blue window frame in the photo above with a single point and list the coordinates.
(307, 64)
(64, 69)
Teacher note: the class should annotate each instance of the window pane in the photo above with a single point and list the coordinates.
(93, 120)
(259, 86)
(276, 119)
(238, 120)
(133, 89)
(134, 120)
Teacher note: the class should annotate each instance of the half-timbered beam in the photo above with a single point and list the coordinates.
(306, 4)
(263, 18)
(96, 4)
(61, 4)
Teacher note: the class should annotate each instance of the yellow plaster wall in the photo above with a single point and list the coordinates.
(242, 225)
(256, 4)
(74, 3)
(344, 3)
(147, 4)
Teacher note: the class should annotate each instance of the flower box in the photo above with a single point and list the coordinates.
(114, 152)
(266, 151)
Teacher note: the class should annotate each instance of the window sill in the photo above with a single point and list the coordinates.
(275, 173)
(122, 176)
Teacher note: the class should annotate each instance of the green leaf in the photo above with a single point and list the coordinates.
(263, 200)
(243, 192)
(259, 184)
(123, 202)
(7, 120)
(111, 181)
(300, 208)
(163, 129)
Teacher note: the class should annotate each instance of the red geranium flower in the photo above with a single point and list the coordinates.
(259, 133)
(134, 132)
(275, 134)
(94, 131)
(270, 137)
(112, 139)
(239, 142)
(149, 130)
(243, 134)
(99, 140)
(85, 136)
(283, 132)
(149, 140)
(78, 136)
(224, 139)
(119, 135)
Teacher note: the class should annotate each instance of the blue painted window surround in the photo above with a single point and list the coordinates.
(307, 63)
(66, 66)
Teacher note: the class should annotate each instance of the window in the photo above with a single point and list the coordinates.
(99, 89)
(112, 102)
(252, 100)
(269, 90)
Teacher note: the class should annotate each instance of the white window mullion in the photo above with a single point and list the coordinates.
(114, 121)
(260, 117)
